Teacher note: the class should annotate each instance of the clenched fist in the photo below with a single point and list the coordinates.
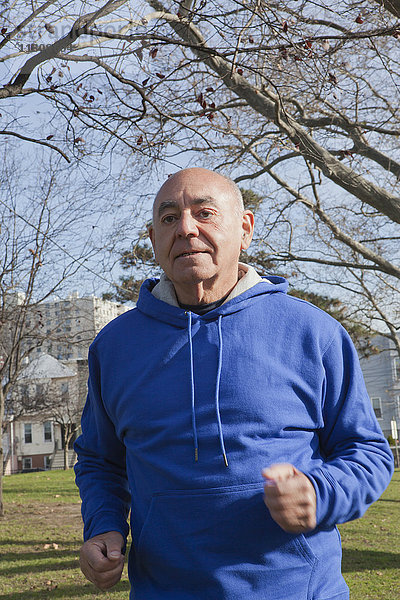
(290, 497)
(102, 560)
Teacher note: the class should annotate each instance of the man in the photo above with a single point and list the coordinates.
(231, 418)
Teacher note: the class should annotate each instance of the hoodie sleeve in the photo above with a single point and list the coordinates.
(100, 470)
(358, 462)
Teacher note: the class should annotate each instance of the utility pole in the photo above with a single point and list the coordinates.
(393, 425)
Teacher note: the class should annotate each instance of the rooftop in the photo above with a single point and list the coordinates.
(45, 366)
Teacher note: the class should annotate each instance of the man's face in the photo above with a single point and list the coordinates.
(199, 229)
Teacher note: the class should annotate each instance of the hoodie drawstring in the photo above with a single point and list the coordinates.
(217, 388)
(221, 435)
(194, 429)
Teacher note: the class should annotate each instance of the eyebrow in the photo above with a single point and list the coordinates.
(173, 204)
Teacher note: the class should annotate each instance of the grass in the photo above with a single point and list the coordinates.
(40, 538)
(371, 549)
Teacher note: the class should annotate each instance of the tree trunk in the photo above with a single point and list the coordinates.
(66, 450)
(1, 450)
(1, 478)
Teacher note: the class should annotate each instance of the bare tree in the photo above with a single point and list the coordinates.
(67, 415)
(39, 216)
(318, 82)
(299, 100)
(278, 82)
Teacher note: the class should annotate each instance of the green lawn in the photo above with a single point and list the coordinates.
(371, 549)
(40, 538)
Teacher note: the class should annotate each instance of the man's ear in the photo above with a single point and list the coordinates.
(247, 229)
(150, 231)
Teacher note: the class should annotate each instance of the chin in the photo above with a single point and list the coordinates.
(193, 276)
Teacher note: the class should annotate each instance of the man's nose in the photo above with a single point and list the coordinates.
(187, 226)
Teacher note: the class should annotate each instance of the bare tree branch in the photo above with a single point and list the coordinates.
(31, 17)
(392, 6)
(40, 142)
(339, 234)
(269, 105)
(49, 52)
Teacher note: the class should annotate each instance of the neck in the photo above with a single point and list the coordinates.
(204, 292)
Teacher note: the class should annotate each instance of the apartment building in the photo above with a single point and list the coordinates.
(68, 326)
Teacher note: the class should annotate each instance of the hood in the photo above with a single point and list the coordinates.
(156, 308)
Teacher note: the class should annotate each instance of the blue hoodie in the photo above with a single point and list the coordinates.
(184, 412)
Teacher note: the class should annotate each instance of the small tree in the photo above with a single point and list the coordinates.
(66, 410)
(36, 219)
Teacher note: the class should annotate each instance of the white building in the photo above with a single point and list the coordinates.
(69, 326)
(382, 378)
(45, 399)
(63, 330)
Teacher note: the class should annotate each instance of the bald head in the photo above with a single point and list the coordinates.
(200, 175)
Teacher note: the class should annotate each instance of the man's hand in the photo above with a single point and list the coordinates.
(290, 498)
(102, 560)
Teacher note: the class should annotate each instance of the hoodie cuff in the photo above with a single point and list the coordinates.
(105, 521)
(324, 486)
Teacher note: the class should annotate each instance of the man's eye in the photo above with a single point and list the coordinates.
(168, 219)
(206, 214)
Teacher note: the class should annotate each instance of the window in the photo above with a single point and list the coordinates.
(377, 406)
(397, 368)
(47, 431)
(397, 407)
(28, 433)
(26, 463)
(47, 462)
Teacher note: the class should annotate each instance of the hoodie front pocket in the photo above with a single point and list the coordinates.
(223, 543)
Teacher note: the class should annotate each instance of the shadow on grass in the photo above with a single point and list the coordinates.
(43, 563)
(388, 500)
(41, 542)
(67, 591)
(46, 491)
(361, 560)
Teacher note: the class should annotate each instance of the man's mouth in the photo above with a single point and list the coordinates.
(189, 253)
